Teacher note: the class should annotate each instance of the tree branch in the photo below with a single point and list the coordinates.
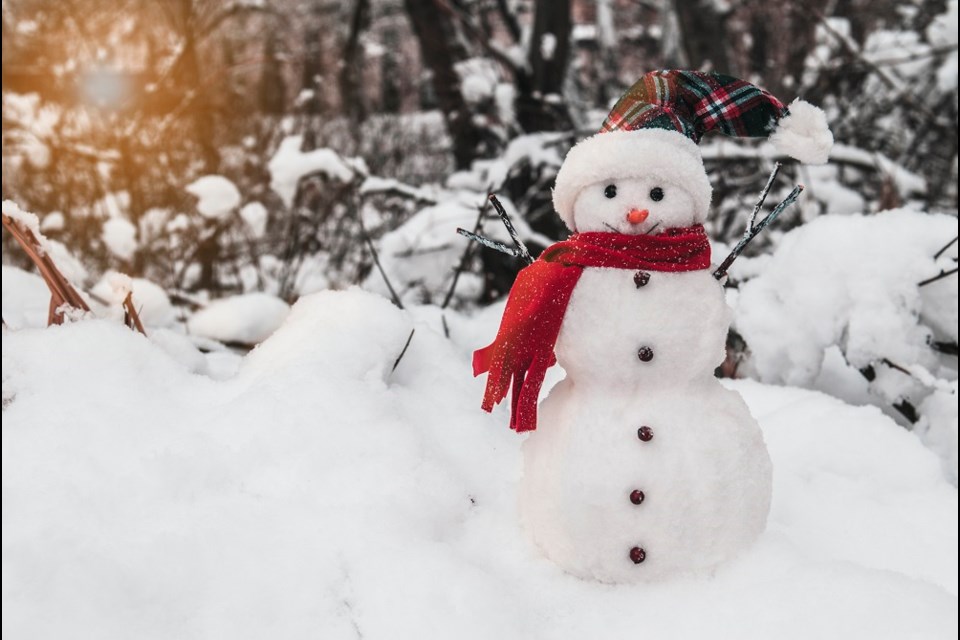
(755, 231)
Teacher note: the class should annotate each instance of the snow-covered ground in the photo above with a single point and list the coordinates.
(318, 492)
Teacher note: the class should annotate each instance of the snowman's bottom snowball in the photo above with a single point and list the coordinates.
(705, 476)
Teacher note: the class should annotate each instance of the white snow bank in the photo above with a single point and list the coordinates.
(320, 494)
(216, 196)
(245, 319)
(841, 294)
(26, 298)
(289, 164)
(847, 280)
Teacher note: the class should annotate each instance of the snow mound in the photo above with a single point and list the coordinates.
(245, 319)
(216, 196)
(120, 236)
(321, 493)
(26, 298)
(289, 164)
(848, 280)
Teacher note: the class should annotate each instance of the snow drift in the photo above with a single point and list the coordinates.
(320, 493)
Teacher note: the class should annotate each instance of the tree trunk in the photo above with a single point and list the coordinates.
(440, 49)
(703, 32)
(540, 104)
(351, 74)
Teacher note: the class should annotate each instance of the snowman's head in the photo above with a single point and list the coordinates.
(633, 182)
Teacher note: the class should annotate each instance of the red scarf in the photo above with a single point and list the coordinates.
(523, 349)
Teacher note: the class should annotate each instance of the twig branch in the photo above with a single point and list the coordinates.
(403, 352)
(130, 316)
(490, 243)
(762, 198)
(376, 258)
(465, 257)
(944, 248)
(521, 248)
(946, 348)
(939, 276)
(760, 226)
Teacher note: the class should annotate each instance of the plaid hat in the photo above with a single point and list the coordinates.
(639, 136)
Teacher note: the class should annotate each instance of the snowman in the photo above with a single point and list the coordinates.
(640, 465)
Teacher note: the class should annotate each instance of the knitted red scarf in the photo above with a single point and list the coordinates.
(523, 349)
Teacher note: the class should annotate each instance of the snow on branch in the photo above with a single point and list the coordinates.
(24, 227)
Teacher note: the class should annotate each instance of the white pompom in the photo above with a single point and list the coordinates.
(804, 134)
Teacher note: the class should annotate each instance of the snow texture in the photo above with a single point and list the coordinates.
(120, 236)
(851, 280)
(942, 33)
(803, 133)
(841, 293)
(319, 494)
(607, 157)
(255, 216)
(244, 319)
(150, 300)
(289, 164)
(216, 196)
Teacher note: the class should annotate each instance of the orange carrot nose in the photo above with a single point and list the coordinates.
(636, 216)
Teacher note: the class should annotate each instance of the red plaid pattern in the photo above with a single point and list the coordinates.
(693, 103)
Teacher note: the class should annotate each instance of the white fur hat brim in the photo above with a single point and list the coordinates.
(606, 157)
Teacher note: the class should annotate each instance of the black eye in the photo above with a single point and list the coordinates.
(656, 194)
(610, 191)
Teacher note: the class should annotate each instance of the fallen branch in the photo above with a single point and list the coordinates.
(939, 276)
(754, 230)
(944, 248)
(62, 294)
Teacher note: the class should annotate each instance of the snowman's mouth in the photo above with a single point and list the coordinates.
(632, 230)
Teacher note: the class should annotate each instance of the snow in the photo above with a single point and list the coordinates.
(245, 319)
(150, 300)
(53, 221)
(216, 196)
(942, 33)
(840, 294)
(120, 236)
(548, 45)
(318, 493)
(851, 280)
(70, 267)
(289, 164)
(255, 215)
(26, 298)
(478, 79)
